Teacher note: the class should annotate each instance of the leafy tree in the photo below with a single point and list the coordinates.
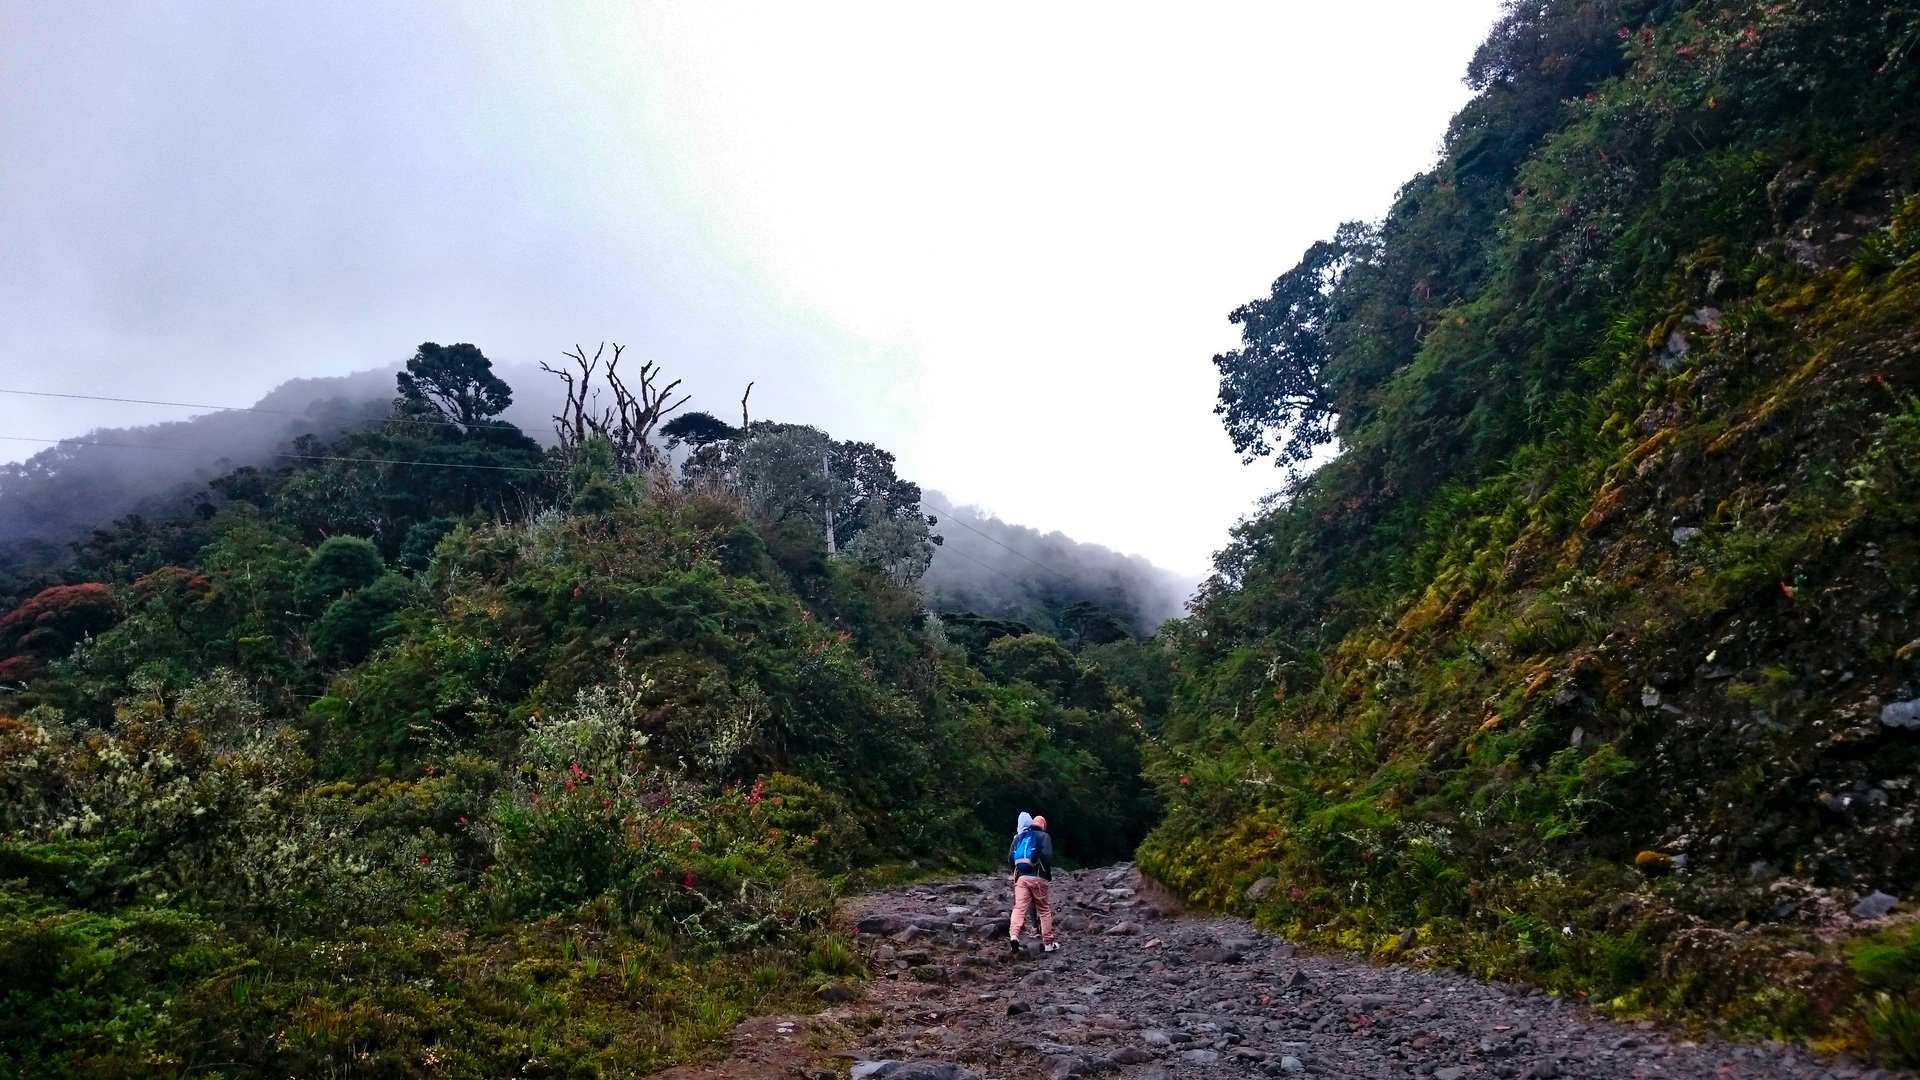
(355, 623)
(50, 623)
(1273, 390)
(698, 429)
(785, 472)
(340, 564)
(1037, 660)
(1091, 624)
(455, 382)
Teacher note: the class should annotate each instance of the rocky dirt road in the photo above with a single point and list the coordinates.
(1141, 992)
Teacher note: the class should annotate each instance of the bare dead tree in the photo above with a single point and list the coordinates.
(743, 411)
(628, 424)
(571, 425)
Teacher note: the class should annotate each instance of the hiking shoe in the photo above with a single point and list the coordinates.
(1052, 946)
(1014, 943)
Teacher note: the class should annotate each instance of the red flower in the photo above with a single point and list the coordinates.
(689, 879)
(1186, 780)
(1788, 589)
(423, 860)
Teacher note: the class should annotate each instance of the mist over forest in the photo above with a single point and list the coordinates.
(57, 496)
(1014, 572)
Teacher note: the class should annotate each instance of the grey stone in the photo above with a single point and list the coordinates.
(1685, 534)
(1061, 1066)
(920, 1070)
(1675, 350)
(1901, 714)
(1289, 1063)
(1451, 1072)
(1155, 1037)
(1199, 1057)
(881, 924)
(1124, 929)
(1874, 905)
(1258, 891)
(1129, 1055)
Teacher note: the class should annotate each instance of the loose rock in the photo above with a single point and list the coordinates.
(1217, 998)
(1874, 905)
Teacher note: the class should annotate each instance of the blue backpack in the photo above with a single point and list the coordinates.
(1025, 854)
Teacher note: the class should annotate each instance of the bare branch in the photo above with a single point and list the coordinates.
(627, 424)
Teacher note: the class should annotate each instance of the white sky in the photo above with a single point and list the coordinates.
(1001, 240)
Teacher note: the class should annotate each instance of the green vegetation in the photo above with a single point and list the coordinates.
(440, 753)
(1573, 660)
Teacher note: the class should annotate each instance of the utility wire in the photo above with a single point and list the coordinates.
(978, 563)
(297, 457)
(215, 408)
(955, 520)
(951, 516)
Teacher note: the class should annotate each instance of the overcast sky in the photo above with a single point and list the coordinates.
(1001, 240)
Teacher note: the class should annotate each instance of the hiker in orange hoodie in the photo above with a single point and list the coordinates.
(1032, 860)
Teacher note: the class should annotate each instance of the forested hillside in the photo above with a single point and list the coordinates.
(58, 494)
(988, 567)
(1590, 659)
(437, 752)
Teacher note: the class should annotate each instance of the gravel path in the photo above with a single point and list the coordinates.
(1138, 992)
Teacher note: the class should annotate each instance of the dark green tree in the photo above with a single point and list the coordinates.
(341, 564)
(455, 382)
(1273, 394)
(699, 429)
(1090, 624)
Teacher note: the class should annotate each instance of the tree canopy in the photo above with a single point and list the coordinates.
(454, 382)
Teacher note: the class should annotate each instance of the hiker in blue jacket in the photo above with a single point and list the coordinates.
(1031, 858)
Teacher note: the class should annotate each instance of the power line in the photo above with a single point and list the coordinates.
(991, 540)
(978, 563)
(215, 408)
(951, 517)
(297, 457)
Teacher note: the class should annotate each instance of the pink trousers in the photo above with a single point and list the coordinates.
(1031, 890)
